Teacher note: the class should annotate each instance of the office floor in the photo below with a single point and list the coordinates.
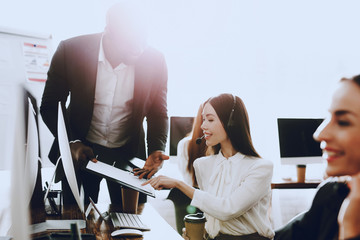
(287, 203)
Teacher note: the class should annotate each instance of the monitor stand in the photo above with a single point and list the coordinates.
(301, 172)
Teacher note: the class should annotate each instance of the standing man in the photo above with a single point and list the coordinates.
(113, 81)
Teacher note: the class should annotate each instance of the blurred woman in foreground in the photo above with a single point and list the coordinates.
(335, 213)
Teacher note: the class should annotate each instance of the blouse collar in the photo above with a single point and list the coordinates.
(236, 157)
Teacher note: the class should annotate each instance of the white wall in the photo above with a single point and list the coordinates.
(282, 57)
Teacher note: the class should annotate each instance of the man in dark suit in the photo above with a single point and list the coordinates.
(114, 81)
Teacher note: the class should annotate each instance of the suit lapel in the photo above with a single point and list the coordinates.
(90, 65)
(85, 73)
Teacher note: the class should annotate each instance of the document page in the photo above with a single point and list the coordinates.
(123, 177)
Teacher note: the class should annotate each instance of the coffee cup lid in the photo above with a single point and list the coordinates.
(195, 218)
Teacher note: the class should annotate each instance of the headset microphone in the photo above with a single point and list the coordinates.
(198, 140)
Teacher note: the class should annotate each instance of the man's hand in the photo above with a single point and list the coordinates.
(153, 164)
(81, 154)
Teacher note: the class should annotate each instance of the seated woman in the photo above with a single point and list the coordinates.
(188, 149)
(234, 182)
(340, 140)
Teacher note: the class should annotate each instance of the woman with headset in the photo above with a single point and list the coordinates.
(234, 182)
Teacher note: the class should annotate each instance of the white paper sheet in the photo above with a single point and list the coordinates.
(32, 154)
(67, 160)
(123, 177)
(37, 61)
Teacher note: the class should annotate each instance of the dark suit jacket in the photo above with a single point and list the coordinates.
(320, 222)
(73, 72)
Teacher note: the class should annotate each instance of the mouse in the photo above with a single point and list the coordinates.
(127, 232)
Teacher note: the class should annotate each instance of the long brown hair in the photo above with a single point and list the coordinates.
(237, 127)
(196, 150)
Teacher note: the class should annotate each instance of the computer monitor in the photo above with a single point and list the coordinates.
(25, 171)
(179, 128)
(297, 145)
(30, 102)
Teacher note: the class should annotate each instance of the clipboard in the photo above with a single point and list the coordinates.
(123, 177)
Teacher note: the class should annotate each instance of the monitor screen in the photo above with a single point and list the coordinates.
(297, 145)
(179, 128)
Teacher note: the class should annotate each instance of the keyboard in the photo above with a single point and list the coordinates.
(128, 220)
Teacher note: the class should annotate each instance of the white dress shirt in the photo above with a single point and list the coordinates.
(235, 194)
(114, 94)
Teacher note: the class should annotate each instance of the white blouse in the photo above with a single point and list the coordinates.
(235, 194)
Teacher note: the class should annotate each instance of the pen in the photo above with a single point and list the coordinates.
(130, 171)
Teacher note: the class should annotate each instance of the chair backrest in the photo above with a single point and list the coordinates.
(179, 128)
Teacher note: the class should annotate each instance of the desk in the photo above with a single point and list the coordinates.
(291, 185)
(160, 229)
(285, 176)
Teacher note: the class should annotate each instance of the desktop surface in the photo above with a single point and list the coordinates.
(102, 229)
